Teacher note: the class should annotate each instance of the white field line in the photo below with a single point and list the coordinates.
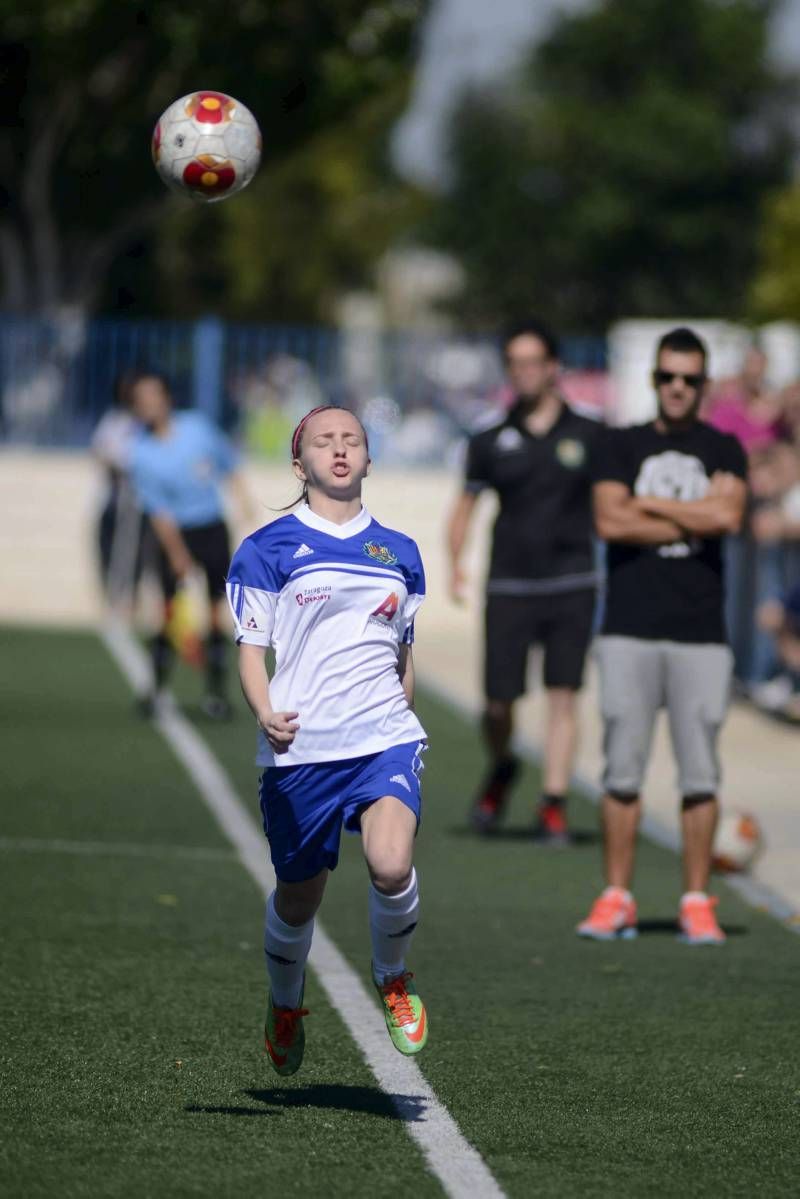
(758, 895)
(114, 849)
(459, 1168)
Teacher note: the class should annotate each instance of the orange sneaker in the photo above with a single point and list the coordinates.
(697, 921)
(612, 918)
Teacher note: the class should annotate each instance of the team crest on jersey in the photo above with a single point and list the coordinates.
(570, 453)
(379, 553)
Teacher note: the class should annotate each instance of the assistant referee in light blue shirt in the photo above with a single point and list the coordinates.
(179, 461)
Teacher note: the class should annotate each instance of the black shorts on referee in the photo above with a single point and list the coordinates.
(561, 624)
(209, 546)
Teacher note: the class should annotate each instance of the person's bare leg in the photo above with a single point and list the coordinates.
(498, 727)
(699, 817)
(561, 733)
(297, 903)
(388, 828)
(620, 826)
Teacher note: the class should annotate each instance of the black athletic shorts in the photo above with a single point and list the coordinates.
(562, 624)
(211, 550)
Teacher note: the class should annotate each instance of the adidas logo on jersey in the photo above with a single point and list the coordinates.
(402, 780)
(302, 551)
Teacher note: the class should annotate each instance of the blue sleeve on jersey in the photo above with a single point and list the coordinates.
(253, 567)
(417, 573)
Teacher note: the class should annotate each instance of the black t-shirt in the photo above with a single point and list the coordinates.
(542, 539)
(667, 592)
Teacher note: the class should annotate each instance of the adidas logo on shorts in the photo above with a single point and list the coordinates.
(402, 780)
(302, 551)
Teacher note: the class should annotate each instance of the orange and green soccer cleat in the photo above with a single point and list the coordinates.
(613, 917)
(405, 1014)
(284, 1037)
(697, 921)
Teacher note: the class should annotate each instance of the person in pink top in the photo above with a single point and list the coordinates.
(745, 407)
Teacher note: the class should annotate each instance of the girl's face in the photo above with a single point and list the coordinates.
(333, 457)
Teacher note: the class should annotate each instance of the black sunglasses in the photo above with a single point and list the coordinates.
(660, 378)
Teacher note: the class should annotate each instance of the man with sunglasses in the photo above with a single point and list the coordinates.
(665, 494)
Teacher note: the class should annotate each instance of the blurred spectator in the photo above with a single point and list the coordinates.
(746, 406)
(781, 620)
(756, 562)
(122, 527)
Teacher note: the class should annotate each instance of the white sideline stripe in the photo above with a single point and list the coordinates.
(756, 894)
(458, 1166)
(114, 849)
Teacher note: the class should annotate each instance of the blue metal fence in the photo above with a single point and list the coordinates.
(57, 377)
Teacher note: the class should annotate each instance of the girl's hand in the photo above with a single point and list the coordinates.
(280, 729)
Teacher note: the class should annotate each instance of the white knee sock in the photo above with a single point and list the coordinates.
(286, 949)
(392, 920)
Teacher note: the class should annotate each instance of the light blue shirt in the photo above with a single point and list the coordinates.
(179, 475)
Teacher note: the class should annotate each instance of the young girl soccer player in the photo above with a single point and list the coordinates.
(335, 594)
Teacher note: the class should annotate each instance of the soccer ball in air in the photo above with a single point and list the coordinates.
(206, 145)
(737, 842)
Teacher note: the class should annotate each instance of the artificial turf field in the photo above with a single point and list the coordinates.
(132, 987)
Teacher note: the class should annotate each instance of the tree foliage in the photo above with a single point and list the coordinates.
(312, 225)
(623, 173)
(775, 294)
(85, 81)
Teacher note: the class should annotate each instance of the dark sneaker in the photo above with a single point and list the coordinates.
(490, 803)
(215, 707)
(551, 825)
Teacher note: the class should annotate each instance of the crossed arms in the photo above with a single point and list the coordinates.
(651, 520)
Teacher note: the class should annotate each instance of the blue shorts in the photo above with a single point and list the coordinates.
(304, 807)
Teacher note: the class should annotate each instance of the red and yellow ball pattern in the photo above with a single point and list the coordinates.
(206, 145)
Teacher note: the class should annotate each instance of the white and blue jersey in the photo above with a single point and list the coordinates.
(179, 475)
(335, 602)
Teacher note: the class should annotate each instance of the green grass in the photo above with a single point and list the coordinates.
(576, 1069)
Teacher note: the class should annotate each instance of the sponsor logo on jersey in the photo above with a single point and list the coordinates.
(570, 453)
(313, 595)
(385, 613)
(402, 780)
(302, 551)
(379, 553)
(251, 624)
(509, 439)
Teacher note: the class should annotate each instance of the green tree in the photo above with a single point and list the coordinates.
(312, 225)
(83, 82)
(623, 173)
(775, 293)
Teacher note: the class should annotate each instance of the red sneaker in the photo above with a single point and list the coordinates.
(612, 918)
(551, 825)
(697, 921)
(489, 805)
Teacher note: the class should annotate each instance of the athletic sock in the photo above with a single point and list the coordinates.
(286, 949)
(162, 656)
(693, 895)
(215, 663)
(623, 892)
(553, 801)
(392, 920)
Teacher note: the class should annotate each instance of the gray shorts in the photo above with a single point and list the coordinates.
(637, 678)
